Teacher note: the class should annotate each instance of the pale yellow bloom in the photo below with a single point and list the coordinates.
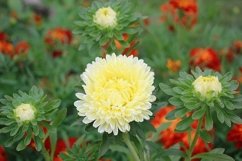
(118, 90)
(24, 112)
(105, 17)
(207, 85)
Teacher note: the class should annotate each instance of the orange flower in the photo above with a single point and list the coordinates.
(3, 155)
(6, 48)
(235, 49)
(173, 65)
(186, 5)
(37, 19)
(169, 136)
(235, 135)
(129, 50)
(205, 58)
(22, 47)
(183, 12)
(237, 46)
(146, 21)
(58, 34)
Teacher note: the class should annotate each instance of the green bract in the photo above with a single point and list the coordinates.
(24, 115)
(193, 103)
(81, 151)
(100, 33)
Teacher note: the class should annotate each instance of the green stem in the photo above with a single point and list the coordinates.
(46, 154)
(131, 147)
(191, 147)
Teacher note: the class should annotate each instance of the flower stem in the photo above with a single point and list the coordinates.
(192, 145)
(131, 147)
(45, 153)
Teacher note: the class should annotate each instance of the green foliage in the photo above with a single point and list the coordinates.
(187, 100)
(214, 155)
(81, 151)
(93, 35)
(23, 132)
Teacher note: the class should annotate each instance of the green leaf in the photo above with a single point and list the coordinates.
(60, 116)
(199, 113)
(192, 105)
(214, 157)
(20, 146)
(218, 150)
(38, 143)
(106, 142)
(184, 124)
(166, 89)
(236, 119)
(53, 140)
(28, 138)
(233, 85)
(175, 101)
(53, 104)
(5, 129)
(6, 121)
(208, 121)
(171, 115)
(206, 136)
(181, 112)
(220, 115)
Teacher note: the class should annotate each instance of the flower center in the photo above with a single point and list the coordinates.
(115, 94)
(24, 112)
(208, 86)
(105, 17)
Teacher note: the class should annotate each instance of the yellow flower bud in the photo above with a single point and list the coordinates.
(105, 17)
(24, 112)
(207, 85)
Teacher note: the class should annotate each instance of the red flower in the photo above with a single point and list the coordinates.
(205, 58)
(237, 46)
(200, 146)
(6, 48)
(56, 53)
(183, 12)
(37, 19)
(169, 137)
(3, 36)
(146, 21)
(3, 155)
(234, 50)
(173, 65)
(235, 135)
(58, 34)
(22, 47)
(61, 145)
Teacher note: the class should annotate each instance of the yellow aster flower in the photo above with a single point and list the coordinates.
(118, 90)
(207, 84)
(105, 17)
